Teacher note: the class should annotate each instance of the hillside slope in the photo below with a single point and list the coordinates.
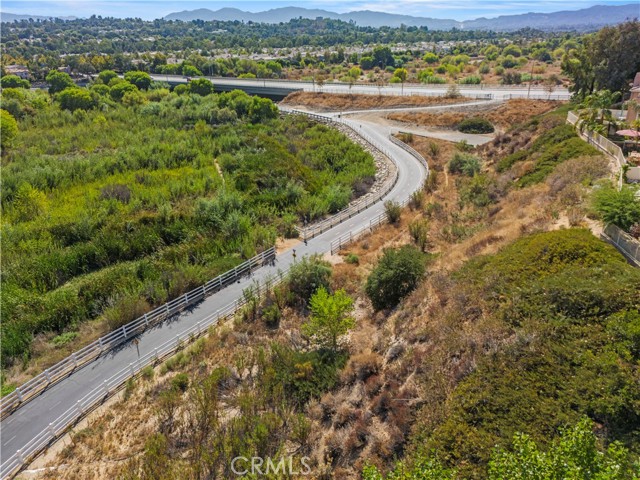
(519, 325)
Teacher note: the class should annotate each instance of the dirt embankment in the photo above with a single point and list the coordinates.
(503, 116)
(340, 101)
(403, 364)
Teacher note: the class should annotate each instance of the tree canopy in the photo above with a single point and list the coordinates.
(608, 59)
(330, 317)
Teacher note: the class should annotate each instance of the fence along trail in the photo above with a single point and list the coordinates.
(41, 421)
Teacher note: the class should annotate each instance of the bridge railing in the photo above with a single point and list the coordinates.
(430, 90)
(78, 359)
(443, 86)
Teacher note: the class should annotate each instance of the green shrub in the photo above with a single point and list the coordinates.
(147, 372)
(8, 128)
(272, 315)
(330, 318)
(471, 80)
(432, 79)
(352, 259)
(65, 338)
(431, 184)
(129, 388)
(475, 125)
(397, 273)
(465, 164)
(305, 375)
(393, 211)
(554, 155)
(306, 276)
(480, 191)
(620, 207)
(180, 382)
(464, 146)
(419, 231)
(572, 301)
(14, 81)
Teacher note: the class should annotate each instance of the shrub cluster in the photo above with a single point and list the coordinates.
(476, 125)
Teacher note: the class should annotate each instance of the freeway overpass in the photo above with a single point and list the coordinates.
(278, 89)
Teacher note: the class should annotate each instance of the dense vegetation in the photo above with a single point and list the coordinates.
(552, 147)
(115, 206)
(490, 366)
(577, 454)
(608, 59)
(571, 303)
(301, 48)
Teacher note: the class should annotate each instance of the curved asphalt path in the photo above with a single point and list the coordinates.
(34, 417)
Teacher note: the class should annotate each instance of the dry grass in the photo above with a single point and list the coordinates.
(401, 362)
(504, 116)
(339, 101)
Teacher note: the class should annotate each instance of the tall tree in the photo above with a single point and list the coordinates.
(607, 59)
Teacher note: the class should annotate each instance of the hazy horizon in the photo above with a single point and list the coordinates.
(153, 9)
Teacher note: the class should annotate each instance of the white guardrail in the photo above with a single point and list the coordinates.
(625, 243)
(78, 359)
(603, 144)
(319, 227)
(536, 93)
(388, 86)
(375, 222)
(62, 424)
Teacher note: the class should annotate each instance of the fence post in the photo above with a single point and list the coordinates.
(146, 320)
(48, 375)
(131, 369)
(100, 344)
(79, 407)
(52, 431)
(20, 456)
(75, 359)
(105, 387)
(19, 393)
(177, 340)
(124, 331)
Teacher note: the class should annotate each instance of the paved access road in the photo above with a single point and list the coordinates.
(498, 92)
(34, 417)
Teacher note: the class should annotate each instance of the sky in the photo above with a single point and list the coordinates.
(452, 9)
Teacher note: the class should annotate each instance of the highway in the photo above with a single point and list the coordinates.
(497, 92)
(19, 428)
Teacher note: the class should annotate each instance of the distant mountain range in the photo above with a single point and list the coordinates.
(585, 19)
(12, 17)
